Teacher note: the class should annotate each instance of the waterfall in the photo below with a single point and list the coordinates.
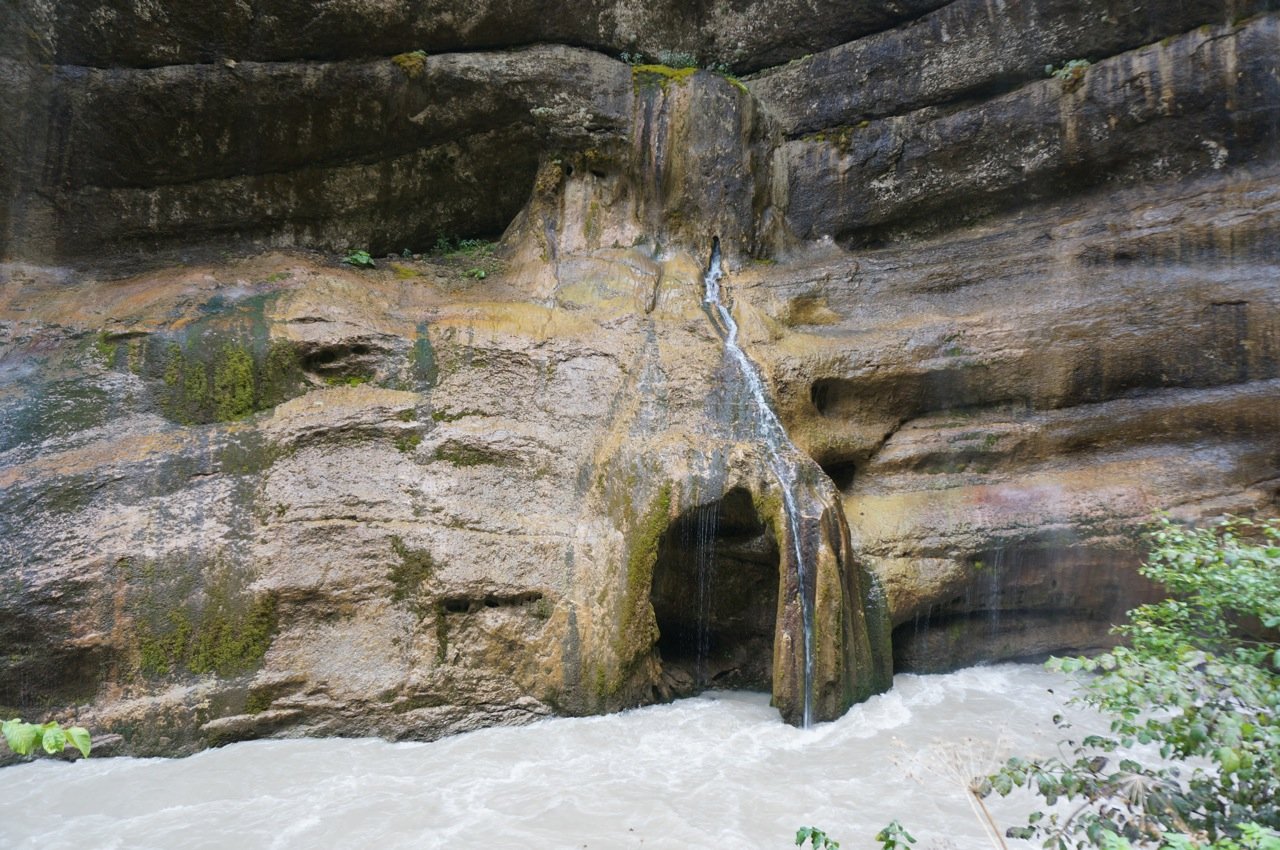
(699, 537)
(781, 453)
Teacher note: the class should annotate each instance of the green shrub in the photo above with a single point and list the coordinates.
(1070, 73)
(53, 738)
(359, 259)
(1200, 680)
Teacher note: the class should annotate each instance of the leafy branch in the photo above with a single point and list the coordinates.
(53, 738)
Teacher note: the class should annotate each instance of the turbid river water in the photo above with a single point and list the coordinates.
(717, 771)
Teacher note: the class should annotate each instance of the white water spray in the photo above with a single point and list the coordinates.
(782, 453)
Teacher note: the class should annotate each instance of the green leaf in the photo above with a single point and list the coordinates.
(81, 739)
(54, 740)
(1228, 758)
(21, 737)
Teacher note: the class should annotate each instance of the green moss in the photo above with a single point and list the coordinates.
(227, 636)
(641, 557)
(106, 347)
(442, 634)
(405, 415)
(426, 370)
(160, 651)
(408, 442)
(412, 63)
(460, 455)
(232, 383)
(257, 702)
(407, 577)
(248, 453)
(839, 137)
(768, 506)
(278, 375)
(541, 609)
(446, 416)
(229, 641)
(650, 76)
(600, 684)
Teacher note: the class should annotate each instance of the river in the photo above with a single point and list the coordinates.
(716, 771)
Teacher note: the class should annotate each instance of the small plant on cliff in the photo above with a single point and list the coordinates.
(1070, 73)
(359, 259)
(412, 63)
(52, 737)
(1200, 680)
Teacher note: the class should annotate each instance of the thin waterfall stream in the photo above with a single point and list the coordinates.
(781, 453)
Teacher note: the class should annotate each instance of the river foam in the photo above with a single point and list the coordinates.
(716, 771)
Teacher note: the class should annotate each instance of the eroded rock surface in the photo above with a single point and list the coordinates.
(1008, 315)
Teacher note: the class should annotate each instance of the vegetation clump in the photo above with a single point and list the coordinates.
(1070, 73)
(661, 76)
(220, 629)
(52, 737)
(412, 63)
(416, 567)
(205, 384)
(359, 259)
(1199, 680)
(644, 541)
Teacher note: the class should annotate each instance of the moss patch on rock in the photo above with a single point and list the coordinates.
(637, 630)
(660, 76)
(412, 63)
(415, 568)
(459, 454)
(220, 628)
(227, 382)
(221, 367)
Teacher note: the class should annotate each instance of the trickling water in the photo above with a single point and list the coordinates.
(994, 598)
(781, 460)
(706, 562)
(712, 771)
(699, 538)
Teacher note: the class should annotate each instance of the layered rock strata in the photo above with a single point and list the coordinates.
(1008, 314)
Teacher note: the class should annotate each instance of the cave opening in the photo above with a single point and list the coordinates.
(715, 597)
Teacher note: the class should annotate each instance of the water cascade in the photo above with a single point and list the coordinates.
(782, 454)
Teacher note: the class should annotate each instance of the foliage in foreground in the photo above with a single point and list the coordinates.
(359, 259)
(1200, 680)
(817, 839)
(23, 738)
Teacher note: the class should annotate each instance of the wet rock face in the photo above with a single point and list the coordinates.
(715, 598)
(746, 35)
(1006, 315)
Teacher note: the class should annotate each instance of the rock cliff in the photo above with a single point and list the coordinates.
(1009, 270)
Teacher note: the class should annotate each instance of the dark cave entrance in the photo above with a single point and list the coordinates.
(715, 596)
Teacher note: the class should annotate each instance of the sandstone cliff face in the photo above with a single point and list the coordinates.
(1007, 315)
